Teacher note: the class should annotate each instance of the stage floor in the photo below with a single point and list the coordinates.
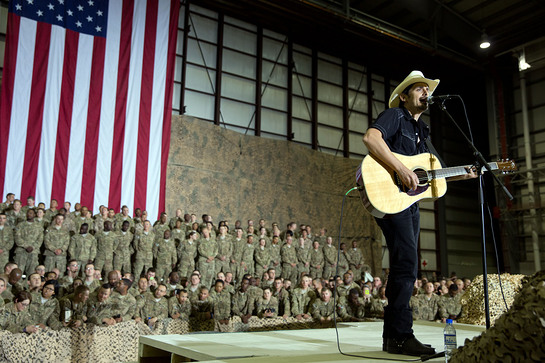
(312, 345)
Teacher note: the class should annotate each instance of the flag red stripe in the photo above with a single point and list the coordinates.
(114, 199)
(146, 91)
(6, 96)
(62, 145)
(173, 27)
(36, 108)
(93, 123)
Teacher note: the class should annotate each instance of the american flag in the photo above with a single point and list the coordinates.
(86, 101)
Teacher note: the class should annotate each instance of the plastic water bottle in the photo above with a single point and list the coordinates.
(450, 339)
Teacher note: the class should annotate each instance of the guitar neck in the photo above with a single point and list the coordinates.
(455, 171)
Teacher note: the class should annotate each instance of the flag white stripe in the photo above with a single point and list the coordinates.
(133, 104)
(78, 127)
(157, 110)
(46, 161)
(20, 108)
(107, 109)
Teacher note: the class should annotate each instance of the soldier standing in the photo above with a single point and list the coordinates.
(289, 260)
(164, 251)
(7, 240)
(207, 250)
(123, 252)
(29, 237)
(106, 245)
(83, 246)
(143, 245)
(187, 253)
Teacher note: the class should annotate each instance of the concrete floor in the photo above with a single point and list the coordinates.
(287, 346)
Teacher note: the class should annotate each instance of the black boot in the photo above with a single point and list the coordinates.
(385, 345)
(408, 346)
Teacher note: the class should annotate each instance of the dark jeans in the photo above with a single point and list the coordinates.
(401, 232)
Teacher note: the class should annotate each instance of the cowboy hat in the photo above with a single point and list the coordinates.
(413, 77)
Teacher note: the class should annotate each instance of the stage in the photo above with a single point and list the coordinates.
(309, 345)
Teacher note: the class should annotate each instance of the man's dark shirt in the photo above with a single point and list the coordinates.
(401, 132)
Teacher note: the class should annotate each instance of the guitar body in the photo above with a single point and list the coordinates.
(382, 193)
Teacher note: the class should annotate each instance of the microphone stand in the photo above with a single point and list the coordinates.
(480, 162)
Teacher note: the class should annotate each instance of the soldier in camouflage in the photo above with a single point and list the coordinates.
(83, 246)
(164, 251)
(29, 237)
(7, 239)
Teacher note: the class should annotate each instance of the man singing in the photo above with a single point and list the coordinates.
(400, 130)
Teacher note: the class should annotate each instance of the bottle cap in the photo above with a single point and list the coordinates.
(449, 321)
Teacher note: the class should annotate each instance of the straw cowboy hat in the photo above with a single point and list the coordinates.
(413, 77)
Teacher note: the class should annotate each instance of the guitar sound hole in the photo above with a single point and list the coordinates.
(422, 175)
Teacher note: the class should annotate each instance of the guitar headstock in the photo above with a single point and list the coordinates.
(506, 166)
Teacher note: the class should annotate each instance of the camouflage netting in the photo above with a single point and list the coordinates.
(473, 299)
(119, 343)
(231, 176)
(518, 335)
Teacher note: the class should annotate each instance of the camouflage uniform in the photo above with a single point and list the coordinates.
(143, 245)
(14, 218)
(276, 258)
(106, 244)
(348, 310)
(207, 248)
(316, 263)
(428, 308)
(303, 258)
(54, 239)
(330, 256)
(376, 307)
(289, 256)
(96, 310)
(78, 221)
(343, 290)
(222, 304)
(153, 309)
(50, 214)
(77, 311)
(225, 248)
(14, 321)
(284, 303)
(123, 252)
(45, 312)
(165, 252)
(187, 252)
(342, 265)
(450, 307)
(262, 259)
(118, 222)
(247, 261)
(243, 303)
(321, 309)
(301, 300)
(99, 223)
(83, 248)
(178, 235)
(160, 228)
(28, 234)
(271, 305)
(123, 305)
(7, 240)
(322, 240)
(236, 257)
(355, 258)
(184, 309)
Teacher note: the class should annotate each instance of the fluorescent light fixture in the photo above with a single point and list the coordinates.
(523, 65)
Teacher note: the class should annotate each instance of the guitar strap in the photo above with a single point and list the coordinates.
(433, 151)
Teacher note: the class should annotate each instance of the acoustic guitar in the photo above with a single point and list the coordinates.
(382, 191)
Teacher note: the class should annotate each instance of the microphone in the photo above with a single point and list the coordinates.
(433, 99)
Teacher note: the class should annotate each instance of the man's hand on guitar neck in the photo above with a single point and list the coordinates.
(471, 174)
